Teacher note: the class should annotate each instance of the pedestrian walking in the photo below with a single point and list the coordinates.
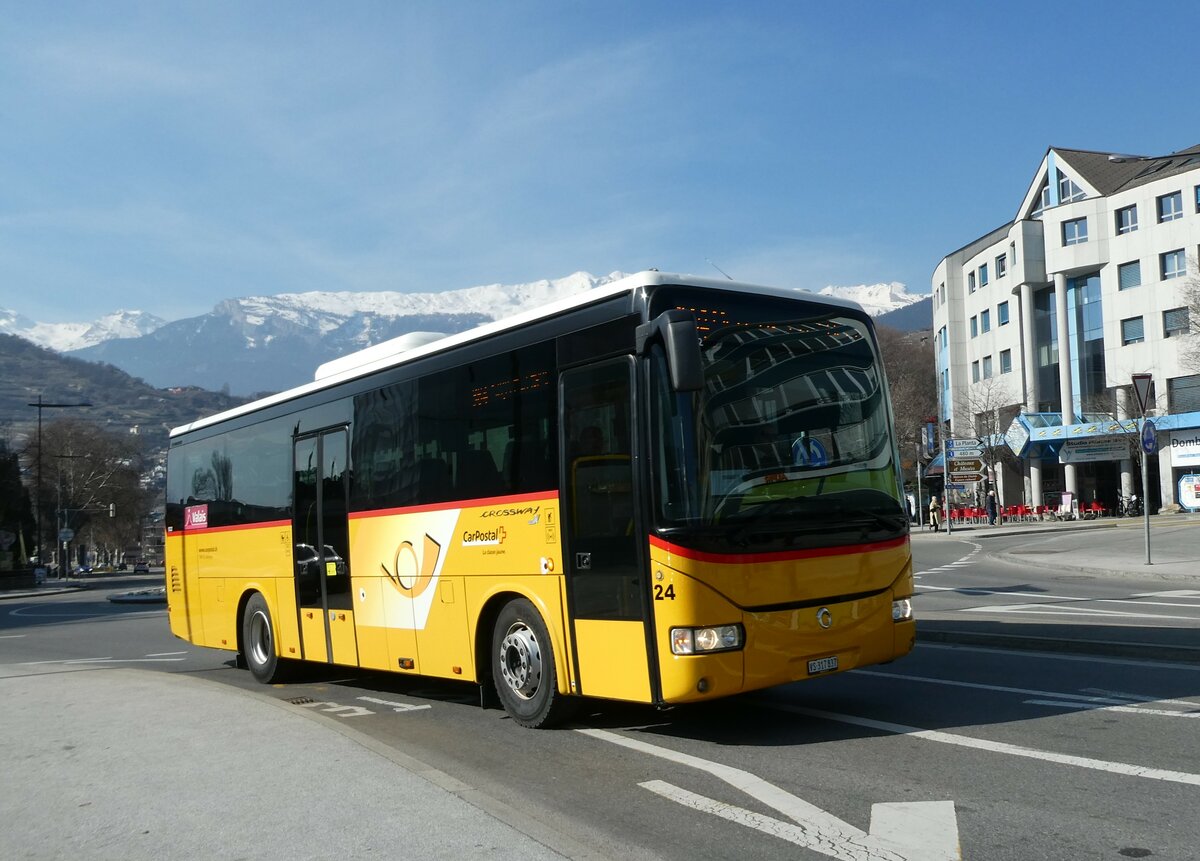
(935, 514)
(991, 508)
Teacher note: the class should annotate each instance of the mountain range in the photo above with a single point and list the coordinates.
(269, 343)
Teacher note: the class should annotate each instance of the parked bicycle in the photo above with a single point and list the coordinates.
(1129, 506)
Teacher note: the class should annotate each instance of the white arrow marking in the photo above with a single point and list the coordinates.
(921, 831)
(396, 707)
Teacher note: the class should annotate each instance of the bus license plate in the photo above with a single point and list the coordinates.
(822, 665)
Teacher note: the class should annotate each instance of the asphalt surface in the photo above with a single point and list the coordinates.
(217, 772)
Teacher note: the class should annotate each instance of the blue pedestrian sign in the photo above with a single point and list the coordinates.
(1149, 437)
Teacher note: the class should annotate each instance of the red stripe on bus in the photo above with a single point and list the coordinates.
(781, 556)
(486, 502)
(266, 524)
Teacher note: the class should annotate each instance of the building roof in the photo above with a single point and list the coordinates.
(1110, 173)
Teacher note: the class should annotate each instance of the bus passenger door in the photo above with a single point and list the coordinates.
(604, 539)
(321, 547)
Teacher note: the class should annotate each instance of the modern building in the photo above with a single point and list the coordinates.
(1041, 325)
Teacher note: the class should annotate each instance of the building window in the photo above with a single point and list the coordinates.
(975, 372)
(1127, 219)
(983, 275)
(942, 293)
(1132, 331)
(1170, 206)
(1074, 232)
(1006, 361)
(1129, 275)
(1172, 264)
(985, 320)
(945, 338)
(1183, 394)
(970, 282)
(974, 326)
(987, 367)
(1068, 191)
(1002, 314)
(1001, 265)
(1175, 322)
(1198, 198)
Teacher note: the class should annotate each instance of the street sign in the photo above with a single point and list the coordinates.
(965, 464)
(966, 452)
(953, 446)
(1149, 438)
(1141, 390)
(959, 477)
(65, 535)
(950, 485)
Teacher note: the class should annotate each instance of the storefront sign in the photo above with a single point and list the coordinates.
(1185, 447)
(1093, 450)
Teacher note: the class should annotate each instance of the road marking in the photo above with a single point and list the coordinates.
(1174, 593)
(968, 590)
(899, 832)
(338, 709)
(1090, 699)
(101, 661)
(165, 654)
(1059, 656)
(1126, 709)
(11, 636)
(1055, 610)
(998, 746)
(396, 707)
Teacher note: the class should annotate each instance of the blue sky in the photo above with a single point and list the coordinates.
(164, 156)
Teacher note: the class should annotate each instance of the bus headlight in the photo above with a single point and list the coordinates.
(902, 610)
(720, 638)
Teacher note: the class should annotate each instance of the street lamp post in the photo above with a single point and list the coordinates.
(37, 497)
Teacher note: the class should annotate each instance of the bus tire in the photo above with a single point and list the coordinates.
(258, 642)
(523, 667)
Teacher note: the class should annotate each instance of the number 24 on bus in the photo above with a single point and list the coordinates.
(663, 490)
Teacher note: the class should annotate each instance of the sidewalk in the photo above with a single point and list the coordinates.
(1105, 546)
(122, 764)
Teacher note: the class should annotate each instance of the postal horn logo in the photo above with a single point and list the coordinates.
(411, 571)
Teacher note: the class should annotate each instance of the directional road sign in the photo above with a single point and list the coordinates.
(966, 464)
(966, 452)
(953, 446)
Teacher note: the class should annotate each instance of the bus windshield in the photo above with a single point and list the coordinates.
(788, 445)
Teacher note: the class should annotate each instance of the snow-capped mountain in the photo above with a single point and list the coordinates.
(65, 337)
(269, 343)
(877, 299)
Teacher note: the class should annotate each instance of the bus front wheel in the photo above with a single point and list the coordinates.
(523, 667)
(258, 641)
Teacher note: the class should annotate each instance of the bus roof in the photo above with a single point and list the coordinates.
(407, 348)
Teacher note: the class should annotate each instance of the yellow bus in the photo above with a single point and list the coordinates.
(664, 490)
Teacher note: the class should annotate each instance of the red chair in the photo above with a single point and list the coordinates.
(1040, 512)
(1024, 512)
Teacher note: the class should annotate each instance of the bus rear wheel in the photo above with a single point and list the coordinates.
(523, 667)
(258, 642)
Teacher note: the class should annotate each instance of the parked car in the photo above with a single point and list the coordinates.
(141, 567)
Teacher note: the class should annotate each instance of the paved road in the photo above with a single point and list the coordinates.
(1012, 754)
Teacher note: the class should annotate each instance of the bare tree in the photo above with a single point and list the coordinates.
(1189, 351)
(91, 483)
(912, 378)
(992, 406)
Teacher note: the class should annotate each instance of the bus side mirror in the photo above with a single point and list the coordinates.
(681, 342)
